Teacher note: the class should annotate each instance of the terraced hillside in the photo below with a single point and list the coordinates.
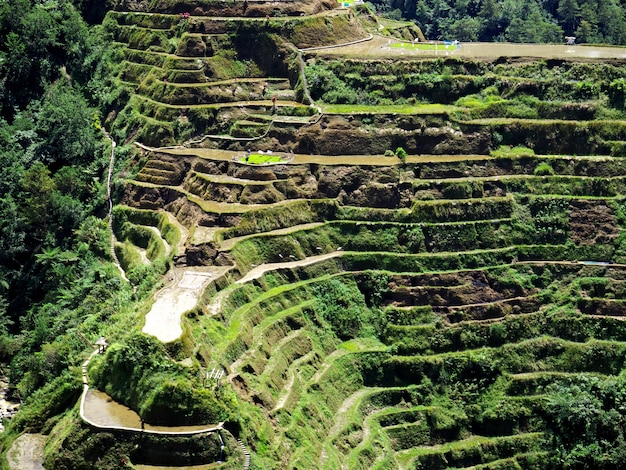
(220, 70)
(444, 315)
(460, 306)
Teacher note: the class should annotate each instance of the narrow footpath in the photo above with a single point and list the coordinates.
(109, 177)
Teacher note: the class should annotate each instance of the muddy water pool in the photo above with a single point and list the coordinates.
(103, 411)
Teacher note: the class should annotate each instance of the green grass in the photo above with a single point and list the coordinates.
(421, 46)
(511, 152)
(262, 159)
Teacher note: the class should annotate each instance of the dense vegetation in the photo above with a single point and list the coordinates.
(53, 157)
(56, 272)
(549, 89)
(512, 20)
(466, 314)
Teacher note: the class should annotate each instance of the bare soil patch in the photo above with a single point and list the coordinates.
(26, 453)
(592, 222)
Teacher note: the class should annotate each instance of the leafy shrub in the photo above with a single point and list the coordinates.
(617, 92)
(461, 190)
(55, 397)
(177, 401)
(401, 154)
(342, 305)
(544, 169)
(342, 95)
(138, 374)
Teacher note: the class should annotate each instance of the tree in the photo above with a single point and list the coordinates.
(568, 14)
(424, 17)
(612, 22)
(466, 29)
(40, 41)
(15, 70)
(65, 123)
(37, 187)
(533, 29)
(587, 423)
(12, 231)
(586, 32)
(491, 15)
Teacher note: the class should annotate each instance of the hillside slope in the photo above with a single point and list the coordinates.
(423, 269)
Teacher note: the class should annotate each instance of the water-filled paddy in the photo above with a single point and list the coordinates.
(380, 46)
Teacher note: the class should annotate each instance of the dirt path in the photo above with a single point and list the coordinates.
(380, 160)
(491, 302)
(348, 403)
(367, 433)
(228, 244)
(26, 453)
(219, 83)
(229, 104)
(235, 366)
(251, 19)
(287, 388)
(258, 271)
(328, 362)
(144, 255)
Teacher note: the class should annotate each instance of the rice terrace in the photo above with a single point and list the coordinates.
(349, 247)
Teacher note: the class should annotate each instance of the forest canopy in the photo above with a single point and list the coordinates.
(55, 82)
(532, 21)
(60, 81)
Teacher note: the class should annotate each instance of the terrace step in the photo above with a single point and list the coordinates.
(295, 380)
(229, 243)
(511, 462)
(170, 173)
(470, 451)
(533, 383)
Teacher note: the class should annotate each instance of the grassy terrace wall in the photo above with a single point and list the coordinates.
(464, 316)
(179, 70)
(568, 107)
(462, 306)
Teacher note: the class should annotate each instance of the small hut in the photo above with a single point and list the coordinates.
(102, 345)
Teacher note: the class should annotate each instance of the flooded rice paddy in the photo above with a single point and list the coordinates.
(102, 411)
(380, 46)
